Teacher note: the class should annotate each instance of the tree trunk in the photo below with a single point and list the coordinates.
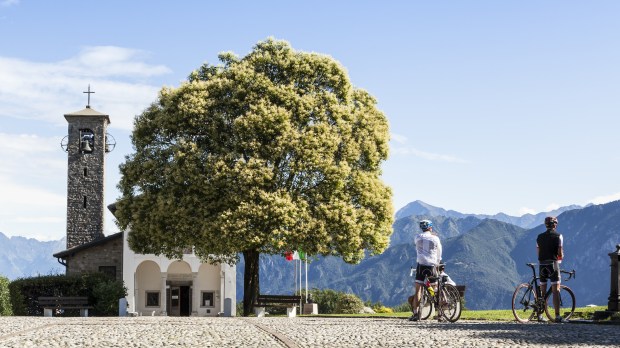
(251, 287)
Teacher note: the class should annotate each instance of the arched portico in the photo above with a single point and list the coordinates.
(148, 292)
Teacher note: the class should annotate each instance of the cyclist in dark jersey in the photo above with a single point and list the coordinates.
(549, 246)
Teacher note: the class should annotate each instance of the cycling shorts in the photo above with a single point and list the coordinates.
(547, 272)
(423, 271)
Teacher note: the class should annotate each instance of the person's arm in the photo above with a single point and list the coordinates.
(561, 249)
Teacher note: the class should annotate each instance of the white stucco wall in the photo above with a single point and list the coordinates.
(150, 272)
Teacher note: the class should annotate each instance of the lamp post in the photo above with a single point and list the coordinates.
(614, 295)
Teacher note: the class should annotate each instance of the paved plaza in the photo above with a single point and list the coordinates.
(294, 332)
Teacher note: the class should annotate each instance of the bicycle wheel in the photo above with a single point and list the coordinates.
(567, 303)
(524, 303)
(425, 308)
(450, 303)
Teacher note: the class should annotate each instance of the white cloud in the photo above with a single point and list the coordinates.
(402, 149)
(32, 202)
(605, 199)
(552, 206)
(47, 91)
(525, 210)
(398, 138)
(409, 151)
(6, 3)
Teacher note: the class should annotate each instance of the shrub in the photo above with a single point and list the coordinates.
(102, 292)
(106, 294)
(382, 309)
(5, 299)
(349, 304)
(335, 302)
(326, 299)
(403, 307)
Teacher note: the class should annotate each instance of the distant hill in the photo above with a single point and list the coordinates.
(25, 257)
(417, 208)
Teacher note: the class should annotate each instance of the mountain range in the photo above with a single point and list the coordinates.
(525, 221)
(485, 253)
(22, 257)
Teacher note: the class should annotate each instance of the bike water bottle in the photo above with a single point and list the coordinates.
(430, 288)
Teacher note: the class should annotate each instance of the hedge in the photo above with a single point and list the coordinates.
(5, 299)
(102, 292)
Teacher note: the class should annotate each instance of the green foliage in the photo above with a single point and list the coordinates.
(349, 304)
(106, 295)
(335, 302)
(271, 152)
(403, 307)
(380, 308)
(326, 299)
(97, 287)
(5, 299)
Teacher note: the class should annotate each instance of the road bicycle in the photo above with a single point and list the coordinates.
(446, 299)
(529, 303)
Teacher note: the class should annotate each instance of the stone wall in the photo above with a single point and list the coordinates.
(109, 253)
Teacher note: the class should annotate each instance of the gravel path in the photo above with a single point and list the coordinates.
(294, 332)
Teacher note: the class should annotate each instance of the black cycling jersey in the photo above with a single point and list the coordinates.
(549, 243)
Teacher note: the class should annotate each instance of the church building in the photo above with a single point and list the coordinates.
(155, 285)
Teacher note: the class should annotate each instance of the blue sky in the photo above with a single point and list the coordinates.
(494, 106)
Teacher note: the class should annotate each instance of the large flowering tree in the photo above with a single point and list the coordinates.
(271, 152)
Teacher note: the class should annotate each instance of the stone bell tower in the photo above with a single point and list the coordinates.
(86, 145)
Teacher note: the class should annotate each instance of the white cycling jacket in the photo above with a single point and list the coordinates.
(428, 248)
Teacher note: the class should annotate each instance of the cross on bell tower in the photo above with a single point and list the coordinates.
(89, 93)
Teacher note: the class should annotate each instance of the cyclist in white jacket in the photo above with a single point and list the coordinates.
(428, 248)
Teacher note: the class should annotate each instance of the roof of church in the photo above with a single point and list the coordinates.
(68, 252)
(88, 111)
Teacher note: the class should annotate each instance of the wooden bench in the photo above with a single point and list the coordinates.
(51, 303)
(461, 289)
(288, 301)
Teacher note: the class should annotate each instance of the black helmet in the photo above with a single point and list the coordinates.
(551, 221)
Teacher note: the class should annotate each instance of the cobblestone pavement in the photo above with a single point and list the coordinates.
(294, 332)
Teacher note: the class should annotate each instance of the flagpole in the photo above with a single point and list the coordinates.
(306, 278)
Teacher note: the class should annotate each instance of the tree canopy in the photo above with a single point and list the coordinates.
(271, 152)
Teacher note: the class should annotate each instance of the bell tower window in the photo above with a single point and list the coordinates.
(87, 140)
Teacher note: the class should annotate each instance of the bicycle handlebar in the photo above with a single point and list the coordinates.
(571, 274)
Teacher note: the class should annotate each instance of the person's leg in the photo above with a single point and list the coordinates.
(416, 298)
(542, 292)
(556, 298)
(543, 289)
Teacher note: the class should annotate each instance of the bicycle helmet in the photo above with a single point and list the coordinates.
(426, 224)
(551, 221)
